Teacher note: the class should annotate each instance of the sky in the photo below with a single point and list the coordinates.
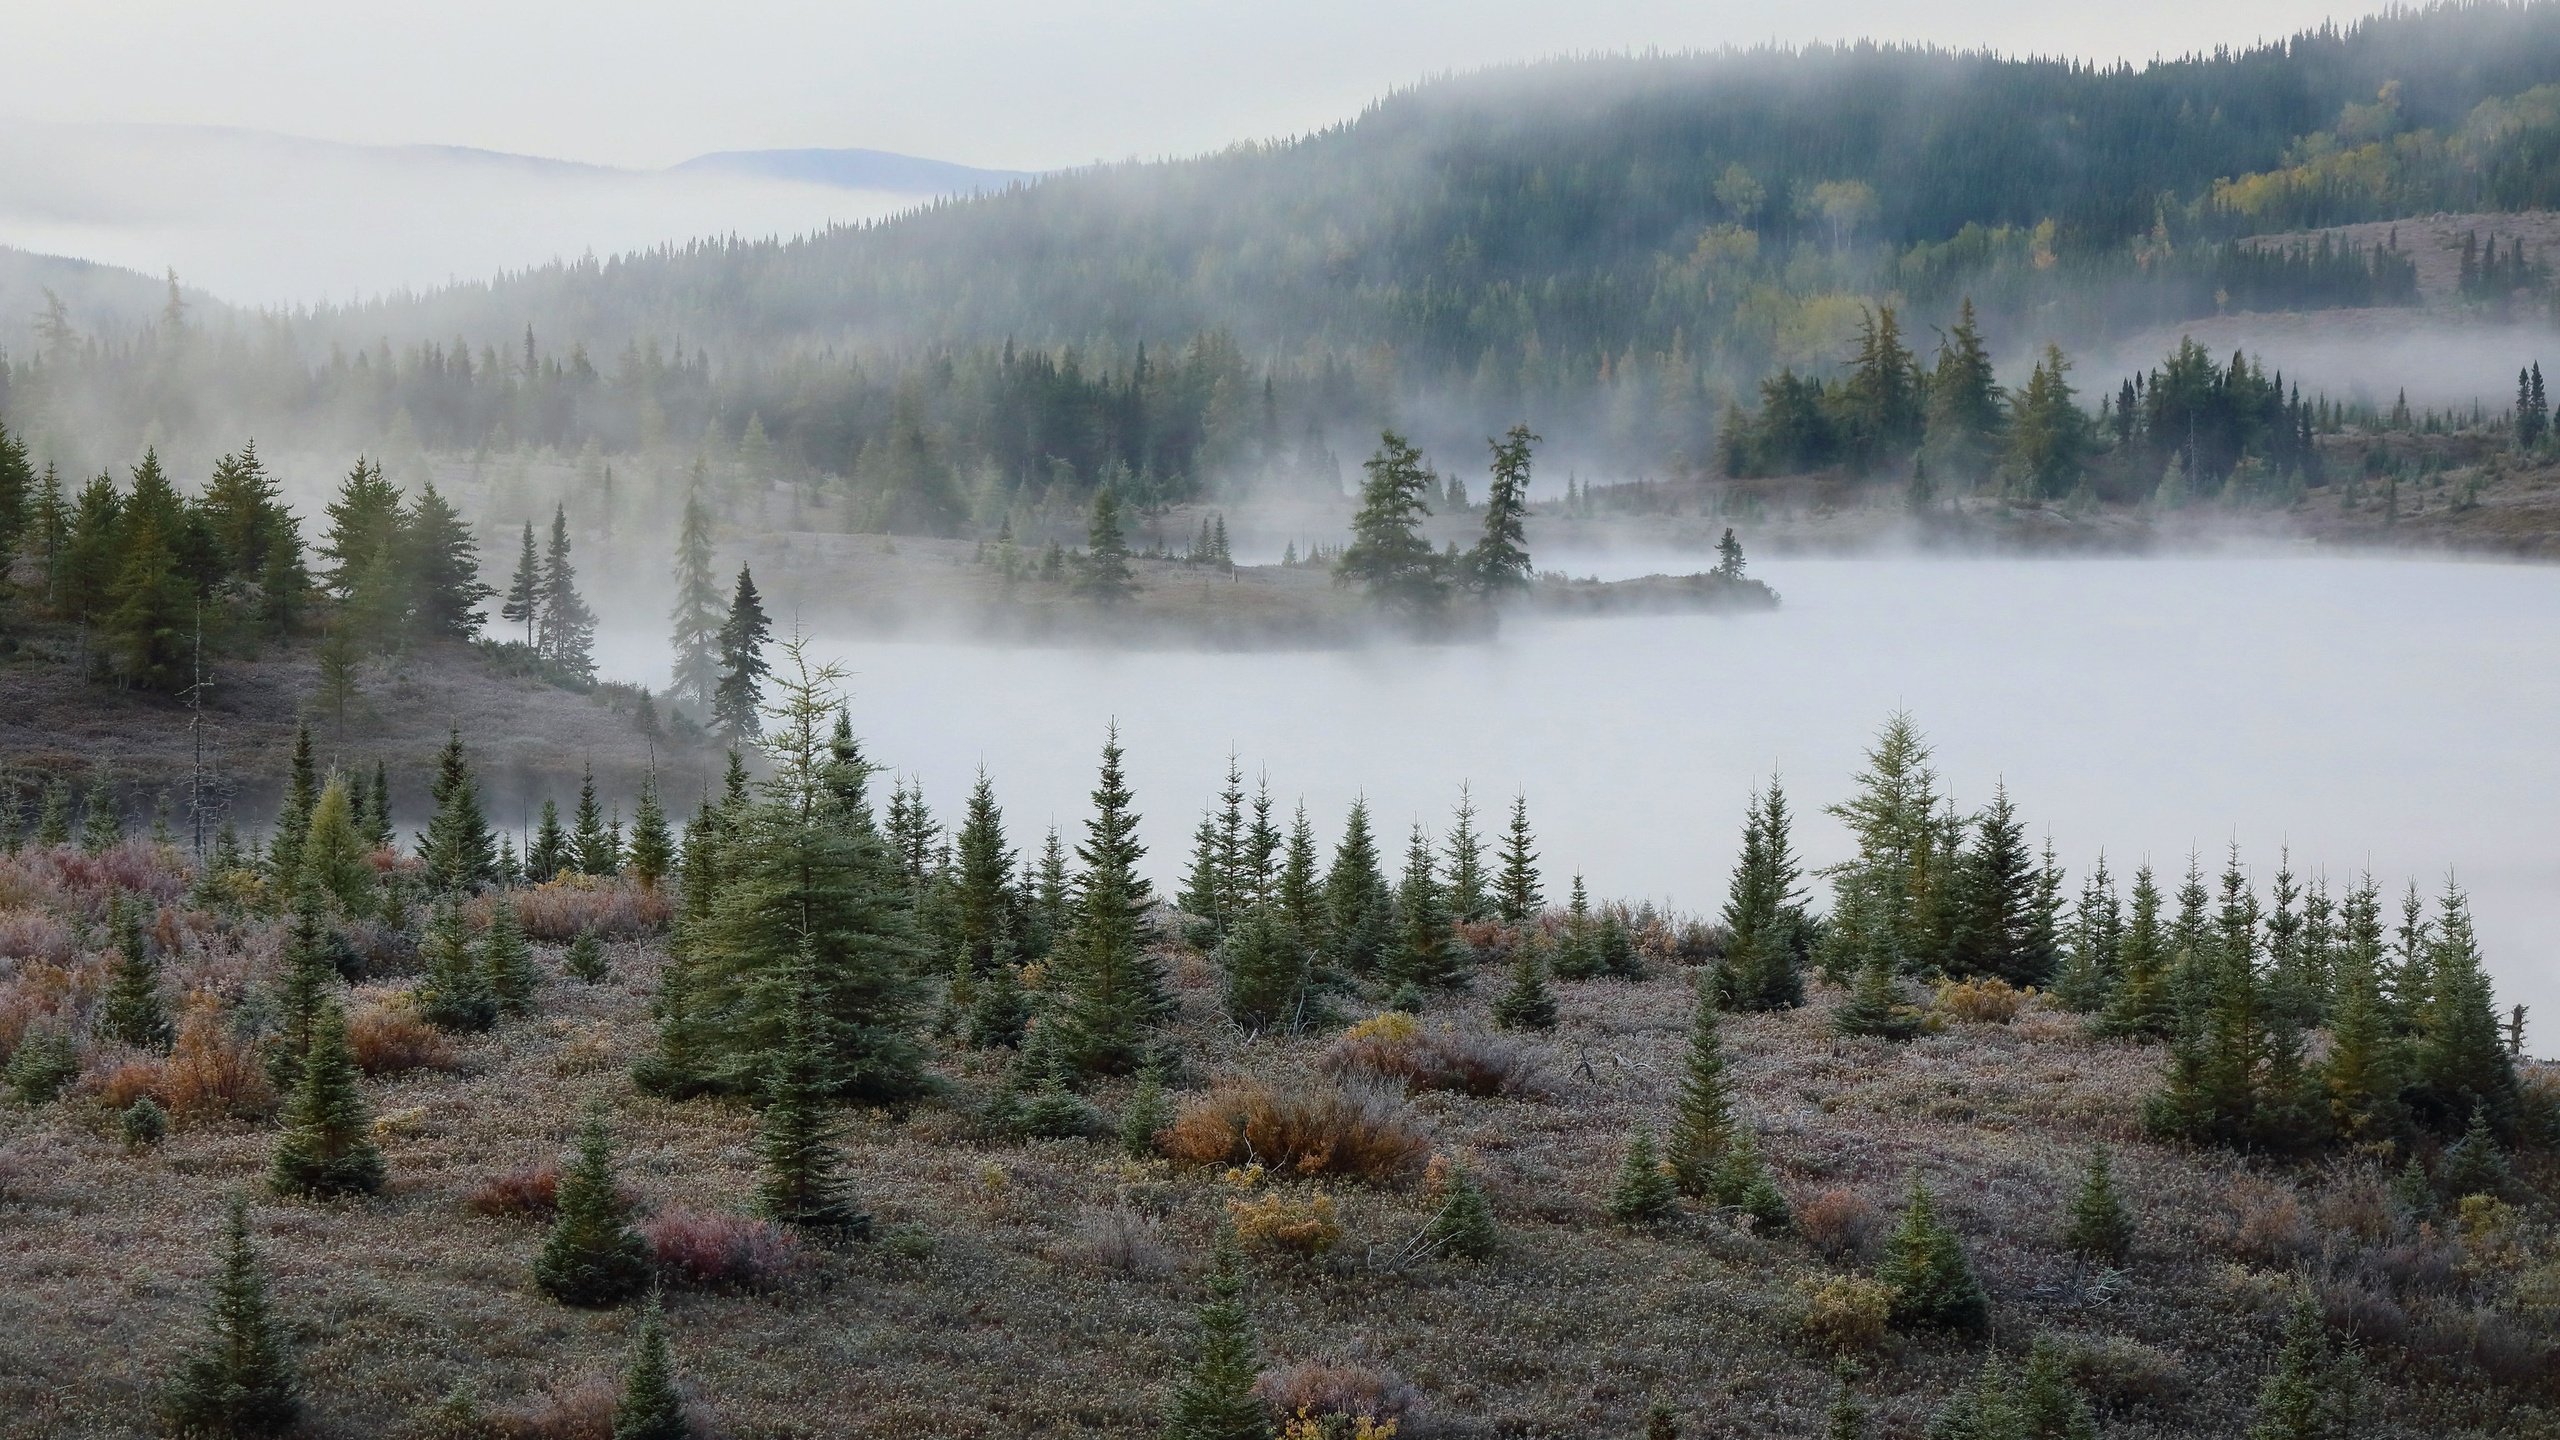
(1002, 83)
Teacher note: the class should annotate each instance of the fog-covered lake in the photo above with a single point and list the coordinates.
(2394, 714)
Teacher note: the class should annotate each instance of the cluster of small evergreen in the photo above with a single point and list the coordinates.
(1391, 560)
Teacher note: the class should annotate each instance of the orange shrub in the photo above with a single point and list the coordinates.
(528, 1191)
(211, 1071)
(1309, 1130)
(1837, 1222)
(1985, 999)
(132, 1079)
(387, 1037)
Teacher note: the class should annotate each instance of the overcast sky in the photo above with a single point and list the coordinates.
(1007, 83)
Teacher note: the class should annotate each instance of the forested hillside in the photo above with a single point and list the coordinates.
(1612, 248)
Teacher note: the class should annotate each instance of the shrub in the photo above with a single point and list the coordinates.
(1463, 1225)
(722, 1252)
(1314, 1130)
(1285, 1224)
(2267, 1224)
(1837, 1222)
(42, 1066)
(1933, 1284)
(212, 1071)
(2097, 1225)
(577, 1409)
(387, 1036)
(591, 1256)
(559, 911)
(526, 1192)
(1334, 1390)
(2117, 1373)
(1845, 1313)
(1644, 1193)
(143, 1124)
(1985, 999)
(139, 1078)
(1418, 1059)
(1117, 1237)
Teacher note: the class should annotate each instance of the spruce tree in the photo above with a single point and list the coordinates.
(1299, 892)
(335, 854)
(363, 521)
(523, 605)
(1996, 903)
(1874, 1007)
(375, 824)
(983, 899)
(2475, 1164)
(549, 855)
(1702, 1125)
(1764, 913)
(1468, 899)
(1644, 1193)
(456, 994)
(1146, 1116)
(1389, 557)
(1517, 896)
(1426, 957)
(2361, 1078)
(2098, 1226)
(565, 629)
(798, 865)
(293, 818)
(310, 978)
(53, 814)
(650, 1407)
(242, 1381)
(506, 959)
(1105, 575)
(1115, 995)
(697, 614)
(1578, 954)
(1268, 976)
(652, 846)
(1933, 1284)
(1463, 1225)
(153, 612)
(1529, 1003)
(737, 703)
(1359, 910)
(2086, 979)
(102, 823)
(2141, 1005)
(1214, 1400)
(131, 1011)
(2460, 1065)
(457, 848)
(1743, 1181)
(592, 1257)
(2049, 1403)
(442, 563)
(1499, 562)
(804, 1181)
(585, 959)
(327, 1146)
(1000, 1010)
(2314, 1393)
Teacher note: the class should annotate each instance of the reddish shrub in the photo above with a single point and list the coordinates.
(2268, 1226)
(386, 1037)
(559, 911)
(527, 1192)
(1311, 1130)
(133, 1078)
(1333, 1389)
(38, 936)
(1837, 1222)
(722, 1252)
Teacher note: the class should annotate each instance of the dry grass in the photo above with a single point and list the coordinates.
(386, 1036)
(717, 1251)
(1395, 1047)
(1283, 1224)
(528, 1192)
(1314, 1130)
(615, 909)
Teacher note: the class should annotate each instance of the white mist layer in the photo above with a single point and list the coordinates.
(2398, 715)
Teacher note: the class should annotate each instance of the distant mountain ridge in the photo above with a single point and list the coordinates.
(858, 170)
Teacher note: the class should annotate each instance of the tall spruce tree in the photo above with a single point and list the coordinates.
(596, 849)
(737, 703)
(1933, 1284)
(1499, 562)
(1469, 898)
(1214, 1400)
(364, 521)
(131, 1011)
(565, 629)
(1105, 575)
(456, 994)
(442, 563)
(1518, 898)
(523, 602)
(1425, 956)
(1268, 977)
(651, 1407)
(293, 818)
(456, 847)
(1702, 1126)
(506, 959)
(1358, 907)
(804, 1182)
(1115, 995)
(983, 897)
(591, 1257)
(2460, 1064)
(652, 846)
(697, 614)
(1389, 557)
(242, 1381)
(1996, 902)
(327, 1146)
(1764, 919)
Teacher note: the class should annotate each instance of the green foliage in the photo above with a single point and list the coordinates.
(1499, 562)
(564, 628)
(506, 959)
(1529, 1002)
(335, 854)
(1000, 1010)
(2475, 1164)
(1269, 972)
(43, 1065)
(1994, 903)
(650, 1408)
(1146, 1115)
(1933, 1284)
(1214, 1400)
(804, 1181)
(737, 703)
(2316, 1391)
(549, 855)
(1767, 933)
(456, 994)
(1104, 575)
(310, 978)
(697, 613)
(242, 1381)
(1702, 1127)
(2097, 1224)
(1645, 1192)
(1517, 897)
(2461, 1065)
(1427, 955)
(131, 1012)
(458, 850)
(1359, 909)
(327, 1145)
(1389, 557)
(1743, 1181)
(1463, 1226)
(591, 1257)
(143, 1124)
(1874, 1007)
(1114, 995)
